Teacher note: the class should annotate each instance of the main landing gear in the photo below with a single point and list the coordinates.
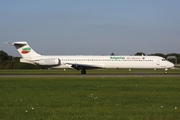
(83, 71)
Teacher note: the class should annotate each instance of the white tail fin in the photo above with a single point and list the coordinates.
(24, 49)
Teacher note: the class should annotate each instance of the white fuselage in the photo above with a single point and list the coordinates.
(130, 62)
(90, 62)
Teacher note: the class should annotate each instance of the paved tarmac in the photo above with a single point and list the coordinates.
(102, 75)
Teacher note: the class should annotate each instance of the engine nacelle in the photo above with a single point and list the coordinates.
(48, 62)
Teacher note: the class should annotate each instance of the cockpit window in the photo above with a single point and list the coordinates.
(164, 59)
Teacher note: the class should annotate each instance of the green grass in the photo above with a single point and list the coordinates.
(64, 98)
(73, 71)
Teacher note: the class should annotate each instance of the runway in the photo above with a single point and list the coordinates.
(97, 75)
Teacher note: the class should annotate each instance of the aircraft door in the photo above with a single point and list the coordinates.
(158, 62)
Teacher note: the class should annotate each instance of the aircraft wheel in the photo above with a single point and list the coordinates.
(165, 72)
(83, 72)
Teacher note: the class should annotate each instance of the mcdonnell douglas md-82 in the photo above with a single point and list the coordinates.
(90, 62)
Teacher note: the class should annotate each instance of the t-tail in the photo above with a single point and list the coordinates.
(25, 50)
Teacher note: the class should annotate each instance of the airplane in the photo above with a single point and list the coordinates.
(84, 63)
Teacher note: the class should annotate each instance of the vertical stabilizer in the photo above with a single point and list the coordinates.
(24, 49)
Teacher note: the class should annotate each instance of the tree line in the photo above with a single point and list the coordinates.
(10, 62)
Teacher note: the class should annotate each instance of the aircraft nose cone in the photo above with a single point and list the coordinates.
(170, 65)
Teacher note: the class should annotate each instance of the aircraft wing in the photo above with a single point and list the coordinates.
(83, 66)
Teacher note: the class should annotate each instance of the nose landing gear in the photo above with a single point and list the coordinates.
(165, 71)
